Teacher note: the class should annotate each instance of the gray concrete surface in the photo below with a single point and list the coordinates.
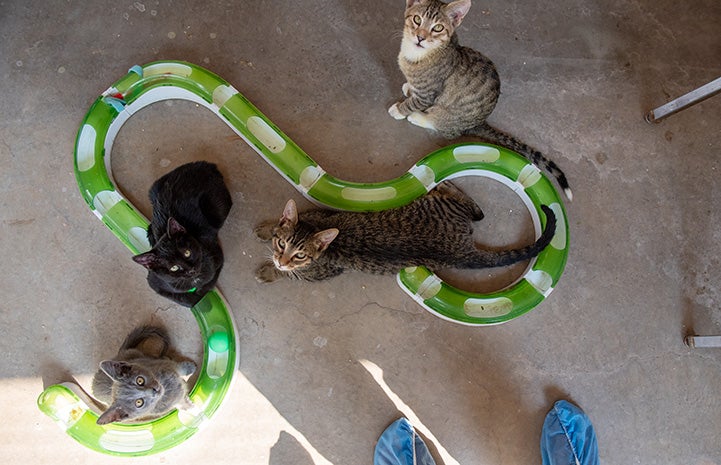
(577, 77)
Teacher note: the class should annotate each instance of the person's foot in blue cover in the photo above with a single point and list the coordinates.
(400, 445)
(568, 437)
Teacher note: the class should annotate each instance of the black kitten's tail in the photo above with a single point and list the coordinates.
(150, 340)
(494, 136)
(489, 259)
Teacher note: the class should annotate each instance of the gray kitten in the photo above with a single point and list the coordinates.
(450, 88)
(140, 383)
(434, 230)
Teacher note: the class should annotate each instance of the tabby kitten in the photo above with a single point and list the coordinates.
(434, 230)
(450, 88)
(190, 205)
(140, 383)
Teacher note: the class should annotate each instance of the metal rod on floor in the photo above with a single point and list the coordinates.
(697, 342)
(686, 100)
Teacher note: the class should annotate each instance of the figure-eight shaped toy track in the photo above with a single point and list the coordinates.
(144, 85)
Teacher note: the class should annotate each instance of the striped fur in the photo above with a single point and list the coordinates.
(435, 230)
(450, 88)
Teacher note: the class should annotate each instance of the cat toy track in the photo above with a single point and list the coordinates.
(164, 80)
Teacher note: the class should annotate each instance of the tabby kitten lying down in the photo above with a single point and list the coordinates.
(141, 384)
(190, 204)
(450, 88)
(434, 230)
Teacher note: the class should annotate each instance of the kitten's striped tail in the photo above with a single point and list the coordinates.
(494, 136)
(148, 334)
(489, 259)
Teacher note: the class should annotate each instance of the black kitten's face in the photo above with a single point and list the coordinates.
(177, 257)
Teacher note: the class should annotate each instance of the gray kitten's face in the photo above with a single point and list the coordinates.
(135, 392)
(429, 24)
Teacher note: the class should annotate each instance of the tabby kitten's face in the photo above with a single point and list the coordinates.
(429, 25)
(295, 246)
(176, 256)
(135, 392)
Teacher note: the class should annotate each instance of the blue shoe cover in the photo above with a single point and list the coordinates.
(568, 437)
(400, 445)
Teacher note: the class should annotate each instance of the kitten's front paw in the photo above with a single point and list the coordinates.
(421, 119)
(395, 112)
(407, 89)
(264, 231)
(267, 273)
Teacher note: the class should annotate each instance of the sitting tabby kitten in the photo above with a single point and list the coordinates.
(450, 88)
(140, 383)
(434, 230)
(190, 205)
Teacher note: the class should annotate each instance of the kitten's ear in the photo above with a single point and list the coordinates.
(324, 238)
(457, 11)
(112, 414)
(410, 3)
(187, 367)
(174, 227)
(290, 213)
(116, 370)
(147, 259)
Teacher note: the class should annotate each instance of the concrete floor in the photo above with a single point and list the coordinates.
(577, 80)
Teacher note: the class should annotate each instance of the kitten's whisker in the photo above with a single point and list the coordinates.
(269, 253)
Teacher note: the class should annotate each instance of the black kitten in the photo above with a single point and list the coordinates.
(190, 205)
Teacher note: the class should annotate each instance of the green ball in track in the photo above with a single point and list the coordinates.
(218, 341)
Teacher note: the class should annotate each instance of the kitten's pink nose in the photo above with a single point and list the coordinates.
(420, 39)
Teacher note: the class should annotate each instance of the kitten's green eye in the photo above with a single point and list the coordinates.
(438, 28)
(140, 381)
(186, 253)
(174, 268)
(417, 19)
(139, 402)
(300, 256)
(281, 243)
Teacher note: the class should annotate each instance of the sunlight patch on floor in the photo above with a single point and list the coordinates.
(377, 373)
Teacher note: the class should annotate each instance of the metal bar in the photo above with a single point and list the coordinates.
(686, 100)
(696, 342)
